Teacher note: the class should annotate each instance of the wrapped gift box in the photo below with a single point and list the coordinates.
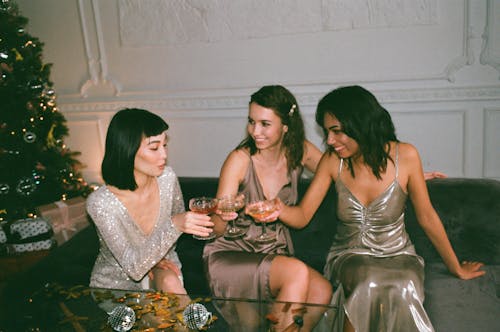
(25, 235)
(66, 217)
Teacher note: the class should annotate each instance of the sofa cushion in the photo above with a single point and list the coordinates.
(462, 305)
(470, 212)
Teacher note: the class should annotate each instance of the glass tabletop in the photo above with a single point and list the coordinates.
(80, 308)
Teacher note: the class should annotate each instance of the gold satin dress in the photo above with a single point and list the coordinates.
(378, 277)
(239, 268)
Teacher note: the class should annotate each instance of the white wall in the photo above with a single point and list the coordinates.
(434, 64)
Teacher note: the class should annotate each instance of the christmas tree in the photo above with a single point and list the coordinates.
(36, 167)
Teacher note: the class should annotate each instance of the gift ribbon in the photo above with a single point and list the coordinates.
(65, 225)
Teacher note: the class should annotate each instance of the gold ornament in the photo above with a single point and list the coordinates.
(51, 141)
(19, 57)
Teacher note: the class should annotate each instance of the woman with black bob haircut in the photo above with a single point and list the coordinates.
(125, 133)
(139, 213)
(372, 263)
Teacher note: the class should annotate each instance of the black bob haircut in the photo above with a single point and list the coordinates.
(126, 131)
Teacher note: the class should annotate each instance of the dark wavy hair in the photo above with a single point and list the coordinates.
(126, 130)
(281, 101)
(364, 120)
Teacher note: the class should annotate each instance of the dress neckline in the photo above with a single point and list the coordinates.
(259, 184)
(129, 217)
(395, 182)
(388, 188)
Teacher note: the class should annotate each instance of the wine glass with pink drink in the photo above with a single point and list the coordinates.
(226, 207)
(203, 205)
(260, 211)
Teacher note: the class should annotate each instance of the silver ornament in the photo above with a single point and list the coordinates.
(29, 137)
(121, 318)
(196, 316)
(26, 186)
(4, 188)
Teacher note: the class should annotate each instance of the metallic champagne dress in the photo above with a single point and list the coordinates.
(373, 265)
(126, 253)
(239, 268)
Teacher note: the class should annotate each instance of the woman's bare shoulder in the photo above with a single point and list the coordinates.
(408, 151)
(238, 156)
(329, 163)
(236, 162)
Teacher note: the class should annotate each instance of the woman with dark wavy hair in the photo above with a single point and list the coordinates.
(266, 164)
(378, 276)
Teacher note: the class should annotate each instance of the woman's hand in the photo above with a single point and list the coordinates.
(164, 264)
(270, 218)
(226, 216)
(470, 270)
(193, 223)
(434, 175)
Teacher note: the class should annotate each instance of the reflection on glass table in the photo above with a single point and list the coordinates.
(80, 308)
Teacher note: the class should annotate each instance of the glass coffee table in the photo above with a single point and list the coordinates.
(79, 308)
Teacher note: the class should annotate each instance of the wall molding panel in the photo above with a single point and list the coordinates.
(490, 54)
(206, 101)
(92, 33)
(491, 166)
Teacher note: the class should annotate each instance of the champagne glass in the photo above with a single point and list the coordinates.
(259, 211)
(203, 205)
(230, 204)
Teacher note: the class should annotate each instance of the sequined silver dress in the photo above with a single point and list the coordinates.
(379, 278)
(126, 253)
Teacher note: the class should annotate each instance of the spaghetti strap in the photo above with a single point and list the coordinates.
(340, 166)
(397, 162)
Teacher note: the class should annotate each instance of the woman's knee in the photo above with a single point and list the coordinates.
(288, 272)
(291, 268)
(168, 281)
(320, 289)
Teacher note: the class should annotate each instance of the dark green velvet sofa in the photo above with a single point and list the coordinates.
(469, 209)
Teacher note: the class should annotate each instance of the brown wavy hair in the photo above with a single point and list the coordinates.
(282, 102)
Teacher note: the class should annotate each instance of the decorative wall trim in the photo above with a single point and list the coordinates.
(204, 101)
(491, 147)
(444, 117)
(98, 69)
(491, 36)
(467, 56)
(175, 22)
(92, 62)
